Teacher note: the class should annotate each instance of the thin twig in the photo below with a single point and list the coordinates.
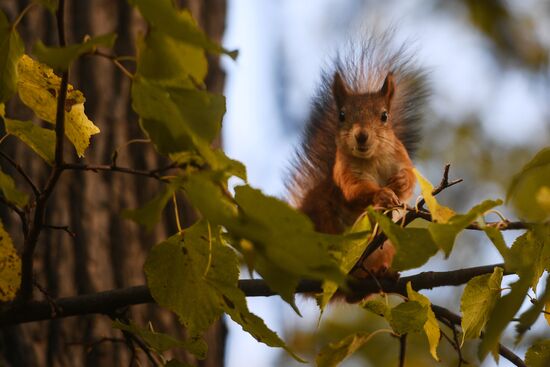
(21, 172)
(21, 213)
(104, 167)
(402, 349)
(61, 228)
(441, 312)
(25, 292)
(54, 307)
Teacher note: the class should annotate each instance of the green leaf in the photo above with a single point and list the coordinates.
(285, 236)
(235, 306)
(39, 139)
(59, 58)
(528, 257)
(160, 342)
(528, 318)
(408, 317)
(150, 213)
(38, 88)
(178, 24)
(170, 61)
(440, 213)
(181, 274)
(376, 306)
(10, 271)
(178, 119)
(51, 5)
(196, 276)
(538, 354)
(444, 234)
(504, 310)
(431, 327)
(524, 188)
(12, 49)
(413, 246)
(478, 301)
(332, 354)
(10, 192)
(495, 235)
(285, 246)
(347, 252)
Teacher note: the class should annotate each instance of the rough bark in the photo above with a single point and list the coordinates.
(108, 251)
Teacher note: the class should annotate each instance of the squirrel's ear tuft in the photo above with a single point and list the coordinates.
(339, 90)
(388, 88)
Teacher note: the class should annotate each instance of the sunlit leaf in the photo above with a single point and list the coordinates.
(160, 342)
(523, 191)
(440, 213)
(39, 139)
(408, 317)
(59, 58)
(38, 88)
(538, 354)
(431, 327)
(478, 301)
(10, 192)
(444, 234)
(376, 306)
(528, 257)
(10, 267)
(504, 310)
(11, 50)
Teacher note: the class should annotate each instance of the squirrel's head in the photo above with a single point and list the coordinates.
(364, 120)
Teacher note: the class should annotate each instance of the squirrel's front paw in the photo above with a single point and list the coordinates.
(385, 198)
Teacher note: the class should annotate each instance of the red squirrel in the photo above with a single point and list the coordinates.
(358, 143)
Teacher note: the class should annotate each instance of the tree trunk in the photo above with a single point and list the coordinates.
(108, 251)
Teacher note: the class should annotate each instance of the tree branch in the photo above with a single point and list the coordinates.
(108, 301)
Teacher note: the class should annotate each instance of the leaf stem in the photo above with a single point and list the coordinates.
(22, 14)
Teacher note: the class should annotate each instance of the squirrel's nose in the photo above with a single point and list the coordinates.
(361, 137)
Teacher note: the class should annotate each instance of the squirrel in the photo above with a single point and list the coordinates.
(363, 129)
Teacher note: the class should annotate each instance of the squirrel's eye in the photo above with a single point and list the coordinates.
(384, 116)
(342, 116)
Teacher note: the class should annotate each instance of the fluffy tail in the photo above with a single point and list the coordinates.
(363, 64)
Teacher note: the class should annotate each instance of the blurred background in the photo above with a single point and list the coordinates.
(489, 114)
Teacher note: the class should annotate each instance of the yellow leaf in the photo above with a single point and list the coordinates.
(431, 327)
(38, 87)
(440, 213)
(10, 267)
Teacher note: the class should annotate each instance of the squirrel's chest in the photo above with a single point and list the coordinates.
(378, 171)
